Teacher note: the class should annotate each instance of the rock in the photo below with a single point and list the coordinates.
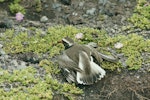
(14, 62)
(56, 5)
(1, 46)
(7, 87)
(65, 2)
(81, 4)
(75, 20)
(1, 73)
(102, 2)
(44, 19)
(22, 65)
(122, 1)
(3, 67)
(43, 33)
(28, 57)
(6, 23)
(91, 11)
(44, 1)
(2, 52)
(6, 57)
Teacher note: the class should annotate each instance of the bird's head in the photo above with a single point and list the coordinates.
(67, 42)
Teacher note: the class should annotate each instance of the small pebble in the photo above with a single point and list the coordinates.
(91, 11)
(1, 73)
(102, 2)
(118, 45)
(14, 62)
(7, 87)
(1, 45)
(2, 52)
(44, 19)
(56, 5)
(81, 4)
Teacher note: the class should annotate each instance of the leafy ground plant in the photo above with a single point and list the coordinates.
(141, 16)
(29, 87)
(133, 45)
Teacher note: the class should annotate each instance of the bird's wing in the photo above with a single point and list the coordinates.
(69, 68)
(69, 75)
(65, 62)
(95, 54)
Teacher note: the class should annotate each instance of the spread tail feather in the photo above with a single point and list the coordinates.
(96, 73)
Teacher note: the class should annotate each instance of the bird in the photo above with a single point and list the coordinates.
(80, 63)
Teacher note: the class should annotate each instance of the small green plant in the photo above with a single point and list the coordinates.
(133, 45)
(48, 43)
(2, 0)
(141, 16)
(17, 1)
(38, 5)
(31, 87)
(18, 6)
(15, 7)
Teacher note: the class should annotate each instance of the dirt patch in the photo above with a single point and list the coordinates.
(122, 86)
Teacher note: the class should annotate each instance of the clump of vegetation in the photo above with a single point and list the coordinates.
(2, 0)
(141, 16)
(38, 5)
(133, 45)
(20, 5)
(24, 42)
(15, 7)
(30, 87)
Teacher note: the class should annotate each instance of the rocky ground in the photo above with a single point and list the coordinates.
(109, 15)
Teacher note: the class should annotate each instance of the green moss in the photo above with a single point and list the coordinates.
(24, 76)
(17, 1)
(31, 87)
(141, 16)
(2, 0)
(14, 42)
(19, 5)
(133, 46)
(68, 90)
(49, 66)
(15, 7)
(38, 5)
